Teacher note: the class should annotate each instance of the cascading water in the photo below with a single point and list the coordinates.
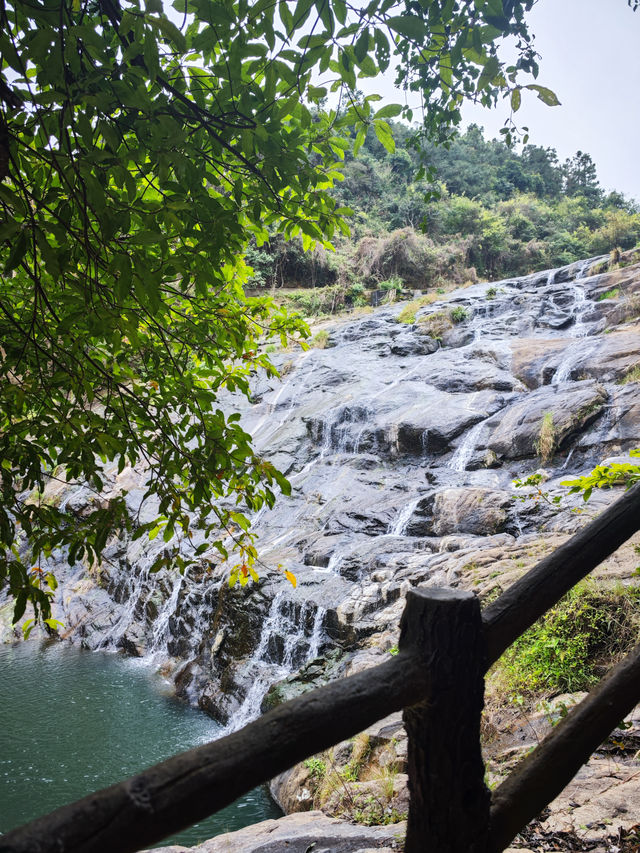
(161, 626)
(285, 644)
(465, 449)
(133, 590)
(399, 525)
(580, 349)
(573, 355)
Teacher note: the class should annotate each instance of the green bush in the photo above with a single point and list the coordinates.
(393, 283)
(459, 314)
(568, 649)
(610, 294)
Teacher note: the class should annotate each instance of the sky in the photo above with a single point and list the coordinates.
(590, 57)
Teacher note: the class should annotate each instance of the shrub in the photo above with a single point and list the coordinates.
(393, 283)
(459, 314)
(319, 340)
(571, 645)
(632, 375)
(436, 324)
(610, 294)
(316, 766)
(356, 294)
(318, 301)
(410, 258)
(408, 313)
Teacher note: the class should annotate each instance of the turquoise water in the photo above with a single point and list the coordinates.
(73, 721)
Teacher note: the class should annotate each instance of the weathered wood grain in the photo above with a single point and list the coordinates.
(449, 803)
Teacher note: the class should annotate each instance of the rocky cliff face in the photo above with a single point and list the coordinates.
(401, 443)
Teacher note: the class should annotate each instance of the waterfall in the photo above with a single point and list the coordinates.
(580, 306)
(478, 322)
(394, 420)
(263, 669)
(161, 631)
(464, 451)
(572, 356)
(317, 634)
(334, 431)
(579, 350)
(585, 266)
(356, 447)
(335, 561)
(136, 591)
(402, 520)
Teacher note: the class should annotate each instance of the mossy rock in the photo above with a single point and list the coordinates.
(314, 674)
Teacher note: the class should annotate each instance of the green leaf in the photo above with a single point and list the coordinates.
(389, 111)
(489, 73)
(17, 253)
(410, 26)
(359, 140)
(384, 135)
(173, 35)
(545, 95)
(361, 46)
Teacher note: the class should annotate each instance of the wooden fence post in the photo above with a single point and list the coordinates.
(449, 802)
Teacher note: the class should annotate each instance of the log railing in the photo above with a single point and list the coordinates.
(446, 646)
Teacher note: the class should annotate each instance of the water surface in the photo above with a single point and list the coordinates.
(74, 721)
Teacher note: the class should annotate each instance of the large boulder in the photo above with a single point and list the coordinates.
(531, 359)
(572, 407)
(477, 511)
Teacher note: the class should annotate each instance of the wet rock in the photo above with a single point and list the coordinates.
(533, 359)
(400, 455)
(309, 677)
(299, 833)
(413, 343)
(613, 357)
(515, 432)
(481, 512)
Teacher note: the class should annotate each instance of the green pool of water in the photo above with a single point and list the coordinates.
(73, 721)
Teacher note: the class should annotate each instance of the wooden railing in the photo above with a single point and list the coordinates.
(446, 645)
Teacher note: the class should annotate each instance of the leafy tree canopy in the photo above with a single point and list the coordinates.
(139, 152)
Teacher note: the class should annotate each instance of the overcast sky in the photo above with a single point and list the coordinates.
(591, 59)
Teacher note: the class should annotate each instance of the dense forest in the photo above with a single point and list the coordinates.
(494, 213)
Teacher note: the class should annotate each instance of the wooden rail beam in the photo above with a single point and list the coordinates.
(532, 595)
(541, 776)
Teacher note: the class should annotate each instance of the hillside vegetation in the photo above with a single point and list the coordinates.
(495, 213)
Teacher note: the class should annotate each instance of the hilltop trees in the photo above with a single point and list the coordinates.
(139, 152)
